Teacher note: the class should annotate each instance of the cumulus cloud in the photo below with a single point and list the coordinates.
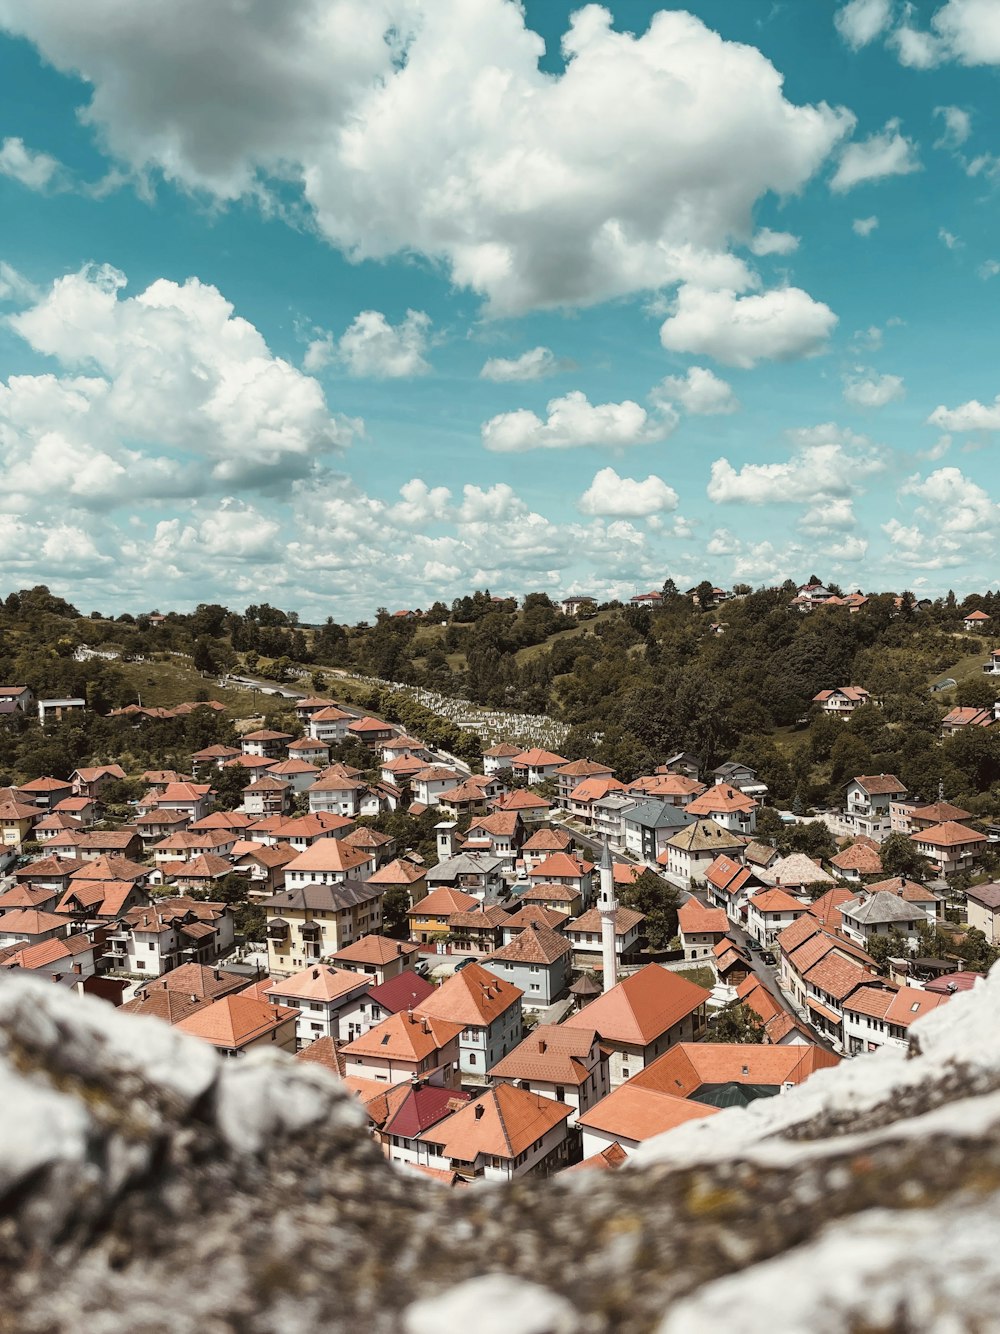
(37, 171)
(971, 416)
(859, 22)
(573, 420)
(864, 226)
(866, 389)
(162, 394)
(535, 364)
(957, 127)
(428, 127)
(624, 497)
(888, 153)
(700, 392)
(948, 239)
(827, 462)
(374, 348)
(955, 522)
(767, 242)
(783, 324)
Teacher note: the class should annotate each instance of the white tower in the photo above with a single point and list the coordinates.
(607, 906)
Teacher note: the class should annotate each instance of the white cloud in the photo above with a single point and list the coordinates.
(624, 497)
(700, 392)
(834, 514)
(779, 325)
(888, 153)
(957, 127)
(827, 462)
(953, 501)
(915, 48)
(971, 416)
(373, 348)
(428, 127)
(988, 269)
(174, 393)
(866, 389)
(533, 365)
(859, 22)
(954, 523)
(35, 170)
(767, 242)
(14, 286)
(864, 226)
(573, 420)
(948, 239)
(970, 30)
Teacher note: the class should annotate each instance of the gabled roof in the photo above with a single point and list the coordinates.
(561, 865)
(318, 983)
(25, 922)
(836, 975)
(442, 903)
(534, 945)
(694, 918)
(641, 1007)
(193, 979)
(589, 923)
(604, 1161)
(233, 1021)
(658, 815)
(170, 1006)
(548, 840)
(551, 1053)
(533, 914)
(504, 1123)
(721, 797)
(632, 1112)
(688, 1066)
(408, 1036)
(775, 900)
(324, 898)
(880, 785)
(858, 857)
(377, 950)
(397, 872)
(423, 1107)
(537, 758)
(405, 991)
(323, 1052)
(484, 917)
(703, 836)
(328, 854)
(473, 997)
(879, 908)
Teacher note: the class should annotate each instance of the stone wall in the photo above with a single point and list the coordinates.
(147, 1185)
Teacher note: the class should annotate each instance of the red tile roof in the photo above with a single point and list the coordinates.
(642, 1007)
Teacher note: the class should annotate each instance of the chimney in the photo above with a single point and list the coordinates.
(315, 974)
(541, 1045)
(479, 1111)
(194, 999)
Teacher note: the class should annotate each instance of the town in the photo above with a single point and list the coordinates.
(519, 962)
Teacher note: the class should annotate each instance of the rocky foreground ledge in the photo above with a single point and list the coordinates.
(146, 1184)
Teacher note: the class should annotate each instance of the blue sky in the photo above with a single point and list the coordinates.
(344, 303)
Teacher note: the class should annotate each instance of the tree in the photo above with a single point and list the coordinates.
(736, 1022)
(900, 857)
(395, 902)
(658, 900)
(891, 946)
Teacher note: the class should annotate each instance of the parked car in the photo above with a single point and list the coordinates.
(463, 963)
(768, 958)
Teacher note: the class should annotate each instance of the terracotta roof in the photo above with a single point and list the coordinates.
(552, 1053)
(607, 1159)
(266, 734)
(49, 868)
(363, 837)
(368, 725)
(46, 785)
(406, 1036)
(233, 1021)
(327, 854)
(826, 909)
(102, 898)
(666, 785)
(548, 840)
(632, 1112)
(537, 759)
(909, 1003)
(795, 869)
(590, 922)
(789, 938)
(686, 1067)
(694, 918)
(976, 616)
(880, 785)
(948, 835)
(486, 917)
(641, 1007)
(856, 693)
(398, 872)
(561, 865)
(442, 903)
(836, 976)
(595, 789)
(502, 751)
(502, 823)
(193, 979)
(207, 867)
(859, 858)
(510, 1121)
(329, 714)
(377, 950)
(24, 922)
(323, 1052)
(938, 812)
(551, 893)
(26, 896)
(171, 1006)
(776, 900)
(317, 983)
(721, 797)
(533, 914)
(728, 875)
(473, 997)
(424, 1106)
(584, 769)
(520, 800)
(110, 868)
(535, 944)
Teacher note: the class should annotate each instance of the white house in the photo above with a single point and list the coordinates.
(488, 1010)
(869, 798)
(567, 1065)
(326, 998)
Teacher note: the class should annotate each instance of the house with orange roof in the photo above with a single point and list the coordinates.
(301, 831)
(543, 843)
(94, 844)
(488, 1010)
(46, 792)
(163, 934)
(327, 1000)
(691, 850)
(406, 1046)
(155, 825)
(466, 798)
(17, 819)
(568, 1065)
(727, 806)
(92, 781)
(976, 620)
(587, 796)
(855, 862)
(328, 724)
(53, 826)
(50, 872)
(506, 1133)
(569, 776)
(265, 743)
(671, 788)
(556, 897)
(169, 1006)
(29, 896)
(769, 911)
(643, 1015)
(79, 955)
(537, 960)
(96, 901)
(30, 926)
(192, 979)
(563, 868)
(329, 861)
(780, 1027)
(267, 796)
(213, 757)
(880, 1015)
(531, 914)
(841, 701)
(474, 873)
(308, 749)
(963, 716)
(370, 731)
(377, 958)
(499, 835)
(584, 935)
(194, 799)
(700, 928)
(298, 774)
(478, 930)
(430, 917)
(311, 921)
(950, 847)
(908, 815)
(536, 764)
(202, 872)
(606, 1160)
(263, 865)
(414, 1111)
(237, 1024)
(630, 1114)
(729, 884)
(402, 874)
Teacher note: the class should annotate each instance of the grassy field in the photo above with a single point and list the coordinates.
(166, 684)
(971, 664)
(701, 977)
(524, 655)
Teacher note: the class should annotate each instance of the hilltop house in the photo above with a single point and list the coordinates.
(842, 700)
(869, 798)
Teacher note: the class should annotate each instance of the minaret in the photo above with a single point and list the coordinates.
(607, 906)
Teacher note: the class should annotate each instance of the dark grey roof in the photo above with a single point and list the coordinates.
(658, 815)
(466, 863)
(326, 898)
(987, 895)
(731, 767)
